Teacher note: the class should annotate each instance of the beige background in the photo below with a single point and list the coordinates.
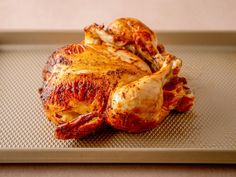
(170, 15)
(158, 14)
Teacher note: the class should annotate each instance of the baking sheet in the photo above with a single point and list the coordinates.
(206, 134)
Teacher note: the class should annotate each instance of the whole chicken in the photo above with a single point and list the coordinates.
(119, 75)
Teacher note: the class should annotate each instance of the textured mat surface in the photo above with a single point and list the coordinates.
(211, 73)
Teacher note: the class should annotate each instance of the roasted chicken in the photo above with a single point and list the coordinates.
(119, 76)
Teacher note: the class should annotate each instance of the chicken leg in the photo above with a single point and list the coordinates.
(135, 107)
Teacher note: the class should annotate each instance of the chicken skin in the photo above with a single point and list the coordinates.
(118, 76)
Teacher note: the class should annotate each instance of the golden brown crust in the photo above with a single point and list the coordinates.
(136, 37)
(130, 122)
(80, 81)
(80, 127)
(65, 87)
(60, 56)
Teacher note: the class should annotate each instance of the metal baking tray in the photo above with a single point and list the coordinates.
(206, 134)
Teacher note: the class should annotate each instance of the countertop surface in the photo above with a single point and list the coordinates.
(115, 170)
(163, 15)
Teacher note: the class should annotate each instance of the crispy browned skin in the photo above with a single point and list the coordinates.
(117, 76)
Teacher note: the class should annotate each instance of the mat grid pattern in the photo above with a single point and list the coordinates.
(211, 73)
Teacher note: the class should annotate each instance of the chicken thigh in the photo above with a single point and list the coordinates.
(119, 75)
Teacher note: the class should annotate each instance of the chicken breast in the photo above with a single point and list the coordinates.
(119, 75)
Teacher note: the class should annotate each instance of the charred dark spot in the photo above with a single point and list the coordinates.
(123, 95)
(168, 96)
(160, 48)
(177, 80)
(176, 71)
(40, 90)
(173, 83)
(58, 116)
